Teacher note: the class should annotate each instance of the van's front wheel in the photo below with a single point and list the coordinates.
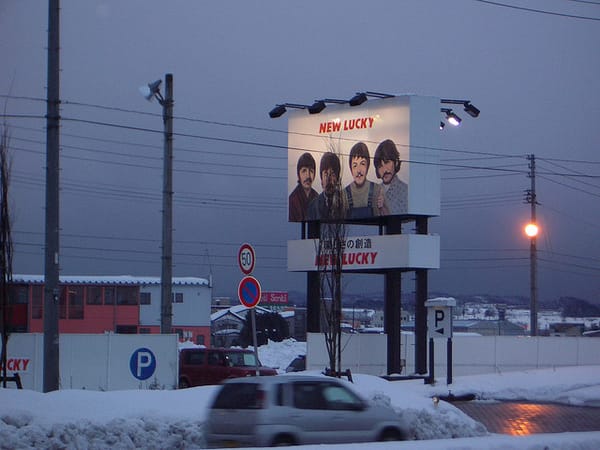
(283, 440)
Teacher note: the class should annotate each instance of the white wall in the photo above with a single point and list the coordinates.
(99, 361)
(367, 353)
(194, 311)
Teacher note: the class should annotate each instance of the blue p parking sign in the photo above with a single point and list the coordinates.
(142, 363)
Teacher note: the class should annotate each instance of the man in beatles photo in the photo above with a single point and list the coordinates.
(387, 165)
(365, 198)
(304, 193)
(330, 204)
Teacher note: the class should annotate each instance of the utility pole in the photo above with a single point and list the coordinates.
(166, 316)
(51, 274)
(531, 198)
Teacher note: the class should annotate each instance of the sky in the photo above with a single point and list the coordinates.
(171, 418)
(532, 73)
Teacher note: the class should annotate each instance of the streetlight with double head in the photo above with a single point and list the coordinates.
(152, 90)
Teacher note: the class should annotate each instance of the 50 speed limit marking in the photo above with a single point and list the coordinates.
(246, 259)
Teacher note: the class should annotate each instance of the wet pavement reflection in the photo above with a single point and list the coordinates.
(522, 418)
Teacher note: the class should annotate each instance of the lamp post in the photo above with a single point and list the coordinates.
(531, 229)
(150, 91)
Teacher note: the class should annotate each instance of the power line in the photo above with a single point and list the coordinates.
(539, 11)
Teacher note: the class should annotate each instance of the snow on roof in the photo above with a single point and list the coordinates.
(111, 279)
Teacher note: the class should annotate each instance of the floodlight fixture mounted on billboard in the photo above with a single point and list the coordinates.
(451, 117)
(280, 110)
(469, 108)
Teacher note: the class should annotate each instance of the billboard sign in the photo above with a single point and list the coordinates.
(384, 152)
(274, 298)
(367, 253)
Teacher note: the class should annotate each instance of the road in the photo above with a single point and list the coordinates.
(522, 418)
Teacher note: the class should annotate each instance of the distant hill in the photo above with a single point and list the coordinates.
(569, 306)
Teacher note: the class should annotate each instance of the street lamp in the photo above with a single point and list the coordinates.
(532, 230)
(152, 90)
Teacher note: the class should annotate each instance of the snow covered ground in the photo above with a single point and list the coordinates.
(80, 419)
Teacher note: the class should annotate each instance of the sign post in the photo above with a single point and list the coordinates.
(439, 325)
(249, 290)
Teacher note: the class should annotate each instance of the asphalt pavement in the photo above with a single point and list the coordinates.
(522, 418)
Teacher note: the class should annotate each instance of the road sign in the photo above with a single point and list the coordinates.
(439, 322)
(142, 363)
(246, 259)
(249, 292)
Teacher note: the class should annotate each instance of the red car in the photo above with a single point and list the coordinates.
(202, 366)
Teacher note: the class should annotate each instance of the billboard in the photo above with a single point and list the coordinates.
(384, 152)
(368, 253)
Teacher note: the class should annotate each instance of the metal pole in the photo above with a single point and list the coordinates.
(51, 271)
(449, 361)
(533, 254)
(253, 317)
(166, 279)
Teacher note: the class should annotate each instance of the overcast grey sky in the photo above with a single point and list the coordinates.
(534, 75)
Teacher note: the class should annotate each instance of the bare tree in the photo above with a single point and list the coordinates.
(330, 250)
(6, 248)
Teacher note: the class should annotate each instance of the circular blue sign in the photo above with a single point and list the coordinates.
(142, 363)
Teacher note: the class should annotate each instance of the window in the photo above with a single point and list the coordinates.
(307, 395)
(127, 295)
(200, 339)
(196, 358)
(75, 300)
(19, 294)
(126, 329)
(177, 297)
(37, 301)
(145, 298)
(239, 396)
(62, 303)
(145, 330)
(94, 295)
(109, 295)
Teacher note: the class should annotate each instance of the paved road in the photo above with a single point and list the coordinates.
(521, 418)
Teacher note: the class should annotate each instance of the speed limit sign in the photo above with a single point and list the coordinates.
(246, 259)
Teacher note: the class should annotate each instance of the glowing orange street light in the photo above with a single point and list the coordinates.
(531, 230)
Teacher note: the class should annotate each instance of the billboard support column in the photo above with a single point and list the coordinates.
(393, 306)
(392, 317)
(420, 309)
(313, 289)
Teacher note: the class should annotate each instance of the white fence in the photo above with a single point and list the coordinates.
(98, 361)
(471, 355)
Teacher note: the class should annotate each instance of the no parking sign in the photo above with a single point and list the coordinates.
(249, 292)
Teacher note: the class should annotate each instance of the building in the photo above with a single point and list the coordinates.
(118, 304)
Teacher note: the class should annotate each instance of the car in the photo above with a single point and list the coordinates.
(204, 366)
(295, 409)
(298, 364)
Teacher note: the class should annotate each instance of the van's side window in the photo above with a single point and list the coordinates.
(196, 358)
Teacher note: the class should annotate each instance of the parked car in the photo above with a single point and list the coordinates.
(296, 410)
(298, 364)
(201, 366)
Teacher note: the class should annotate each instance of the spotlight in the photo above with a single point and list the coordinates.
(442, 125)
(278, 111)
(358, 99)
(317, 107)
(452, 118)
(151, 89)
(471, 110)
